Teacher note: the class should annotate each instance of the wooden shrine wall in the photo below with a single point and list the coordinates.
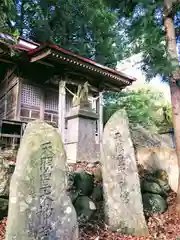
(22, 100)
(51, 101)
(30, 102)
(8, 98)
(2, 107)
(40, 102)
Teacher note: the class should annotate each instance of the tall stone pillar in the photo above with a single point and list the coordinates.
(81, 145)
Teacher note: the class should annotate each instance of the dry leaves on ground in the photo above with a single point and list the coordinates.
(164, 226)
(161, 227)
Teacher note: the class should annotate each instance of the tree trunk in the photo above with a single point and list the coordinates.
(175, 90)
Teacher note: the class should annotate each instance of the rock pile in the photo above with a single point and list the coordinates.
(85, 190)
(155, 189)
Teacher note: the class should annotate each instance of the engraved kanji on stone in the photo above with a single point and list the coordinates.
(38, 186)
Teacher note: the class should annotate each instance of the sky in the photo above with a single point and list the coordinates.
(131, 66)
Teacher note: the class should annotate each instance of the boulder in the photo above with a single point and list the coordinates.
(154, 203)
(152, 187)
(144, 138)
(164, 185)
(85, 208)
(160, 158)
(161, 174)
(162, 179)
(156, 182)
(3, 208)
(97, 194)
(83, 182)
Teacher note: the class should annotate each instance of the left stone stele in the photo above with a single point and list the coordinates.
(39, 207)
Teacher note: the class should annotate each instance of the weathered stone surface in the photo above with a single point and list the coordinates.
(144, 138)
(85, 208)
(39, 207)
(160, 158)
(154, 203)
(123, 202)
(81, 144)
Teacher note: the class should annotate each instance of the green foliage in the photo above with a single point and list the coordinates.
(98, 29)
(88, 28)
(145, 107)
(7, 13)
(144, 27)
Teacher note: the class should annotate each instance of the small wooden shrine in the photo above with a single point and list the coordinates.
(39, 82)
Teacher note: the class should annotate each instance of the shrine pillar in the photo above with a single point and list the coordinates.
(62, 109)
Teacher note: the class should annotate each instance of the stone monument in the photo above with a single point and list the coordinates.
(39, 207)
(123, 201)
(81, 124)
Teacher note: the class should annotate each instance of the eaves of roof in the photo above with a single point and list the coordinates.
(33, 48)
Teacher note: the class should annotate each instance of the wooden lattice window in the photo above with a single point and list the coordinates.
(51, 101)
(31, 95)
(35, 114)
(30, 113)
(25, 112)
